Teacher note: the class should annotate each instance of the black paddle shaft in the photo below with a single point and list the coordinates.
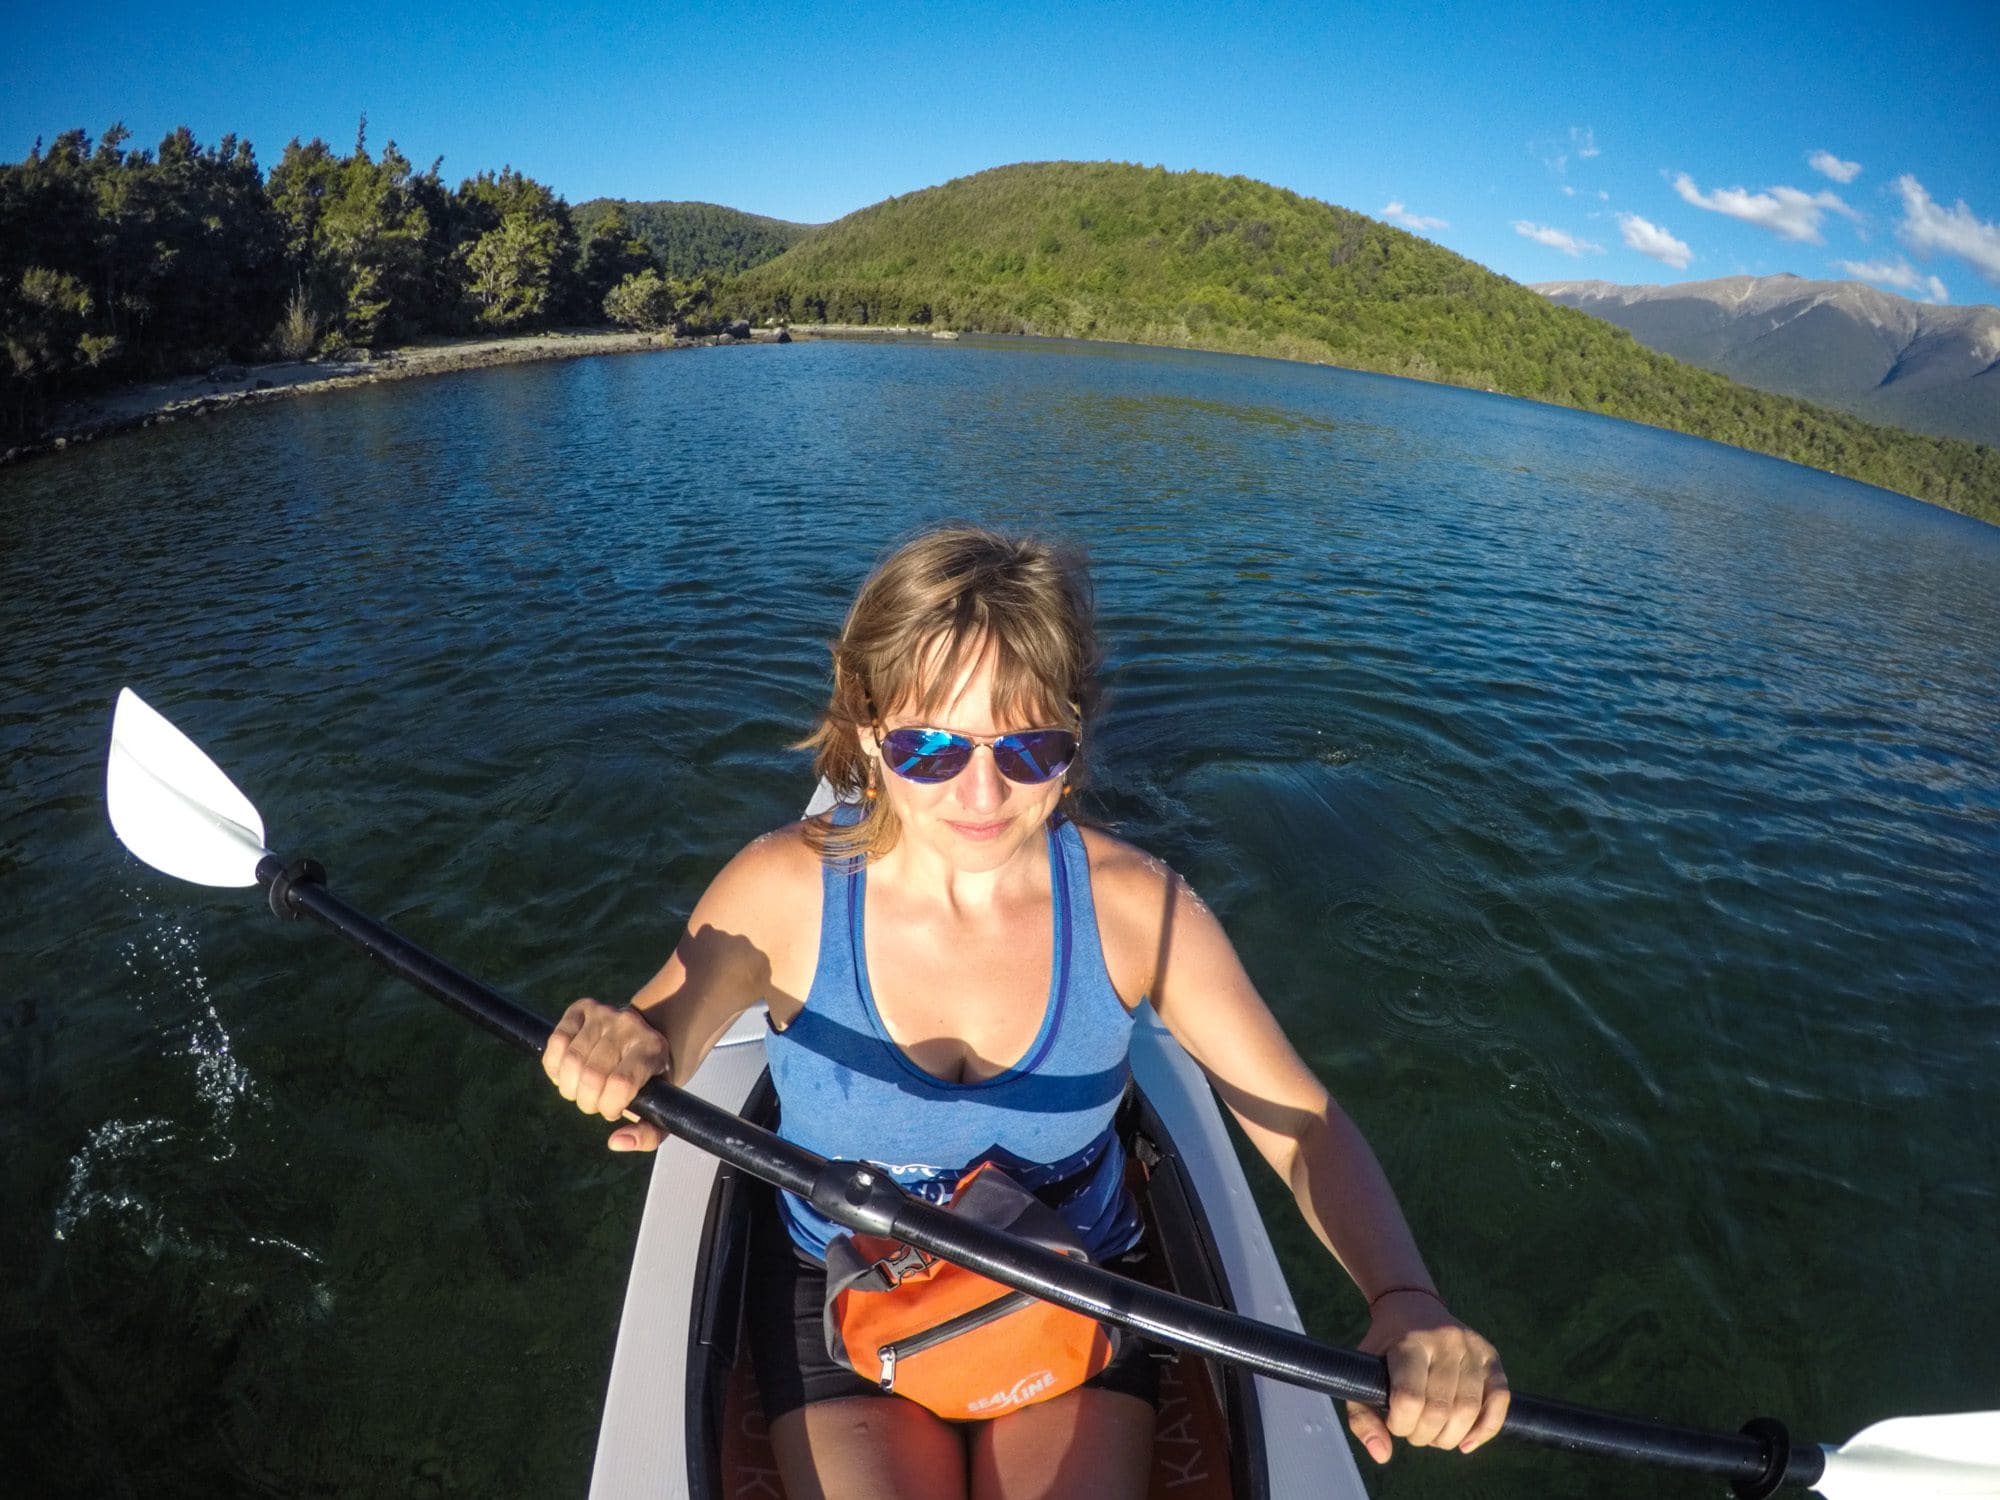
(1756, 1461)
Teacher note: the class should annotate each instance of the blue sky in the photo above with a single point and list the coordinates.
(1629, 143)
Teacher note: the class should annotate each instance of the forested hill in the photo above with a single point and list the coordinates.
(1113, 251)
(687, 239)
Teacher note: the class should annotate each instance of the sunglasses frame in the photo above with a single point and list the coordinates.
(971, 742)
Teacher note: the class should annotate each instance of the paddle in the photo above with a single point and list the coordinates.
(174, 809)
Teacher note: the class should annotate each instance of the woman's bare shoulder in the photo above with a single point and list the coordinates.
(763, 910)
(767, 873)
(1134, 892)
(1120, 871)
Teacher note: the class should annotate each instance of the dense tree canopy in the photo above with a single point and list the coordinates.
(360, 238)
(690, 239)
(130, 262)
(118, 264)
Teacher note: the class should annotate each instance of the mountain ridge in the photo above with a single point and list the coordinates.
(1929, 368)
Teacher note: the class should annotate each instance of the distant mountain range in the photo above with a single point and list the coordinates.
(1842, 343)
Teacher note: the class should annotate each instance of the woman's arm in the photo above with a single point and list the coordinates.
(1447, 1388)
(742, 943)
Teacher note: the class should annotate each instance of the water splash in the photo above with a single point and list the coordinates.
(103, 1158)
(166, 965)
(109, 1175)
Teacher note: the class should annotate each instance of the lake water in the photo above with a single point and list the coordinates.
(1612, 818)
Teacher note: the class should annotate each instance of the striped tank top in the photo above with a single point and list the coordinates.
(846, 1090)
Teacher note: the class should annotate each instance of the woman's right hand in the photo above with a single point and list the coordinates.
(599, 1056)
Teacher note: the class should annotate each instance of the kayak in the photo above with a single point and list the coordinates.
(175, 810)
(681, 1416)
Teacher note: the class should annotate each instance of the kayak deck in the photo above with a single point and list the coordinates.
(1200, 1405)
(681, 1417)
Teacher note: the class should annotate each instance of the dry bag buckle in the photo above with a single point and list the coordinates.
(907, 1261)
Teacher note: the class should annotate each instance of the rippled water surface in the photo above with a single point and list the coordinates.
(1612, 818)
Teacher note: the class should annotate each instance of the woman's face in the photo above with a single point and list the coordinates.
(978, 820)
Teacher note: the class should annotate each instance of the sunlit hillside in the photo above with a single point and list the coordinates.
(1113, 251)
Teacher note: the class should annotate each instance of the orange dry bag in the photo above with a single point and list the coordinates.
(950, 1339)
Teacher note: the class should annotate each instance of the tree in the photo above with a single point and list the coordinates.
(643, 300)
(510, 271)
(440, 296)
(528, 274)
(45, 330)
(373, 233)
(695, 302)
(358, 238)
(178, 249)
(611, 253)
(199, 264)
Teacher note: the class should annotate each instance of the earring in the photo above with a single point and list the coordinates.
(868, 791)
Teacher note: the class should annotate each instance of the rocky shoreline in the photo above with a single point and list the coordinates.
(158, 403)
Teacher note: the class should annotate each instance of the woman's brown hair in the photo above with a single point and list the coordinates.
(925, 617)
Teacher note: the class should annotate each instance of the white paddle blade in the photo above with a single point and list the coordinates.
(1907, 1457)
(172, 807)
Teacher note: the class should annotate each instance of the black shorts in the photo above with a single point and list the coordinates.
(785, 1317)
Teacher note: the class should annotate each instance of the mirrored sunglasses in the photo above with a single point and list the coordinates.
(1029, 757)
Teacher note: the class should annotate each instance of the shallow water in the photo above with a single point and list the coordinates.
(1611, 817)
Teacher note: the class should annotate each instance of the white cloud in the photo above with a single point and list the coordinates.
(1568, 191)
(1581, 143)
(1555, 239)
(1926, 227)
(1395, 213)
(1828, 165)
(1785, 211)
(1650, 239)
(1897, 273)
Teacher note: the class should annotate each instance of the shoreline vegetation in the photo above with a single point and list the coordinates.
(124, 269)
(120, 267)
(160, 403)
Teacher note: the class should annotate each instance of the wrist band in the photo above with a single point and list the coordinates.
(1421, 1291)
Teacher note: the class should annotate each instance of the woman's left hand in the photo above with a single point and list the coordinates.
(1446, 1387)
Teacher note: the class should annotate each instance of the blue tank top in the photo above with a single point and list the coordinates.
(846, 1090)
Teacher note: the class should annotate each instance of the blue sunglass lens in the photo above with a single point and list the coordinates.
(1038, 756)
(926, 754)
(933, 755)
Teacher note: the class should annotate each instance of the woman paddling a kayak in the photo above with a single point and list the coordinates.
(951, 964)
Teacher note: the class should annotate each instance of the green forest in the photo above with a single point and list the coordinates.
(691, 239)
(118, 264)
(1192, 259)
